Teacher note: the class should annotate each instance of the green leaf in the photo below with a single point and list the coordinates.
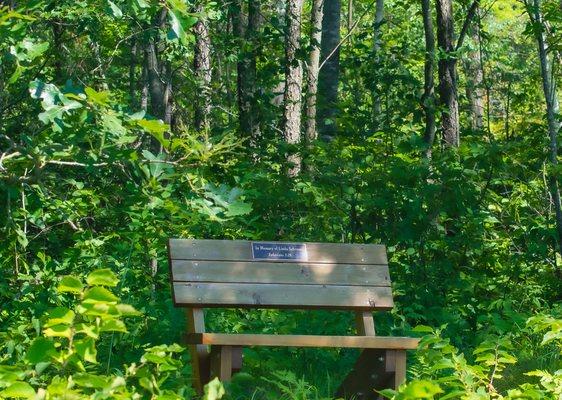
(99, 294)
(58, 331)
(100, 98)
(115, 11)
(19, 390)
(41, 349)
(214, 390)
(154, 126)
(421, 389)
(423, 329)
(102, 277)
(86, 349)
(70, 284)
(127, 310)
(60, 315)
(113, 325)
(238, 208)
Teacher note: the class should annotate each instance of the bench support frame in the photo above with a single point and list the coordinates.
(222, 360)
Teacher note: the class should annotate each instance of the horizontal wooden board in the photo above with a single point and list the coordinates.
(363, 342)
(282, 296)
(241, 250)
(281, 273)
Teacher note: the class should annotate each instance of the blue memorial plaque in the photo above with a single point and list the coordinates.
(279, 251)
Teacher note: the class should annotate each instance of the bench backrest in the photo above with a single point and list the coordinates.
(237, 273)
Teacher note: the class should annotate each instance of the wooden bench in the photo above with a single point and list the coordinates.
(243, 274)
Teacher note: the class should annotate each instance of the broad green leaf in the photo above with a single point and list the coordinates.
(100, 98)
(86, 349)
(421, 389)
(238, 208)
(18, 390)
(58, 331)
(113, 325)
(70, 284)
(41, 349)
(102, 277)
(115, 11)
(60, 315)
(153, 126)
(127, 310)
(99, 294)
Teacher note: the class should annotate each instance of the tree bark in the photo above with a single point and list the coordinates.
(552, 113)
(377, 28)
(448, 96)
(245, 28)
(155, 75)
(329, 76)
(313, 65)
(202, 69)
(474, 85)
(428, 97)
(293, 82)
(252, 34)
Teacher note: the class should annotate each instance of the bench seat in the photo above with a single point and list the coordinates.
(360, 342)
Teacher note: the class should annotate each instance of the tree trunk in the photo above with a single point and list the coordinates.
(474, 84)
(293, 82)
(552, 113)
(254, 23)
(245, 28)
(155, 76)
(448, 96)
(202, 69)
(428, 97)
(329, 76)
(312, 72)
(379, 17)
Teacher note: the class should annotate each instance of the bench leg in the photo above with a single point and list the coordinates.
(221, 362)
(199, 353)
(396, 362)
(400, 373)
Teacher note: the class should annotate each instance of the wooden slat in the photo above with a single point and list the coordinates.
(364, 342)
(282, 296)
(282, 273)
(241, 250)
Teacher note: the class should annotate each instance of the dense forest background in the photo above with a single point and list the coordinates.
(428, 126)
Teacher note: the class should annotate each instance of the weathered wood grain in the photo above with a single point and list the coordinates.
(281, 273)
(241, 250)
(365, 342)
(246, 295)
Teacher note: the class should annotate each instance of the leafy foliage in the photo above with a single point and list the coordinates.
(93, 182)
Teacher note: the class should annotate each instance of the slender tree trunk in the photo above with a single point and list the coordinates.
(155, 75)
(428, 97)
(329, 76)
(58, 40)
(252, 34)
(133, 83)
(156, 86)
(447, 74)
(293, 82)
(474, 85)
(552, 113)
(144, 87)
(312, 72)
(377, 44)
(202, 69)
(245, 28)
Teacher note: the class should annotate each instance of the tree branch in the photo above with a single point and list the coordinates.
(466, 24)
